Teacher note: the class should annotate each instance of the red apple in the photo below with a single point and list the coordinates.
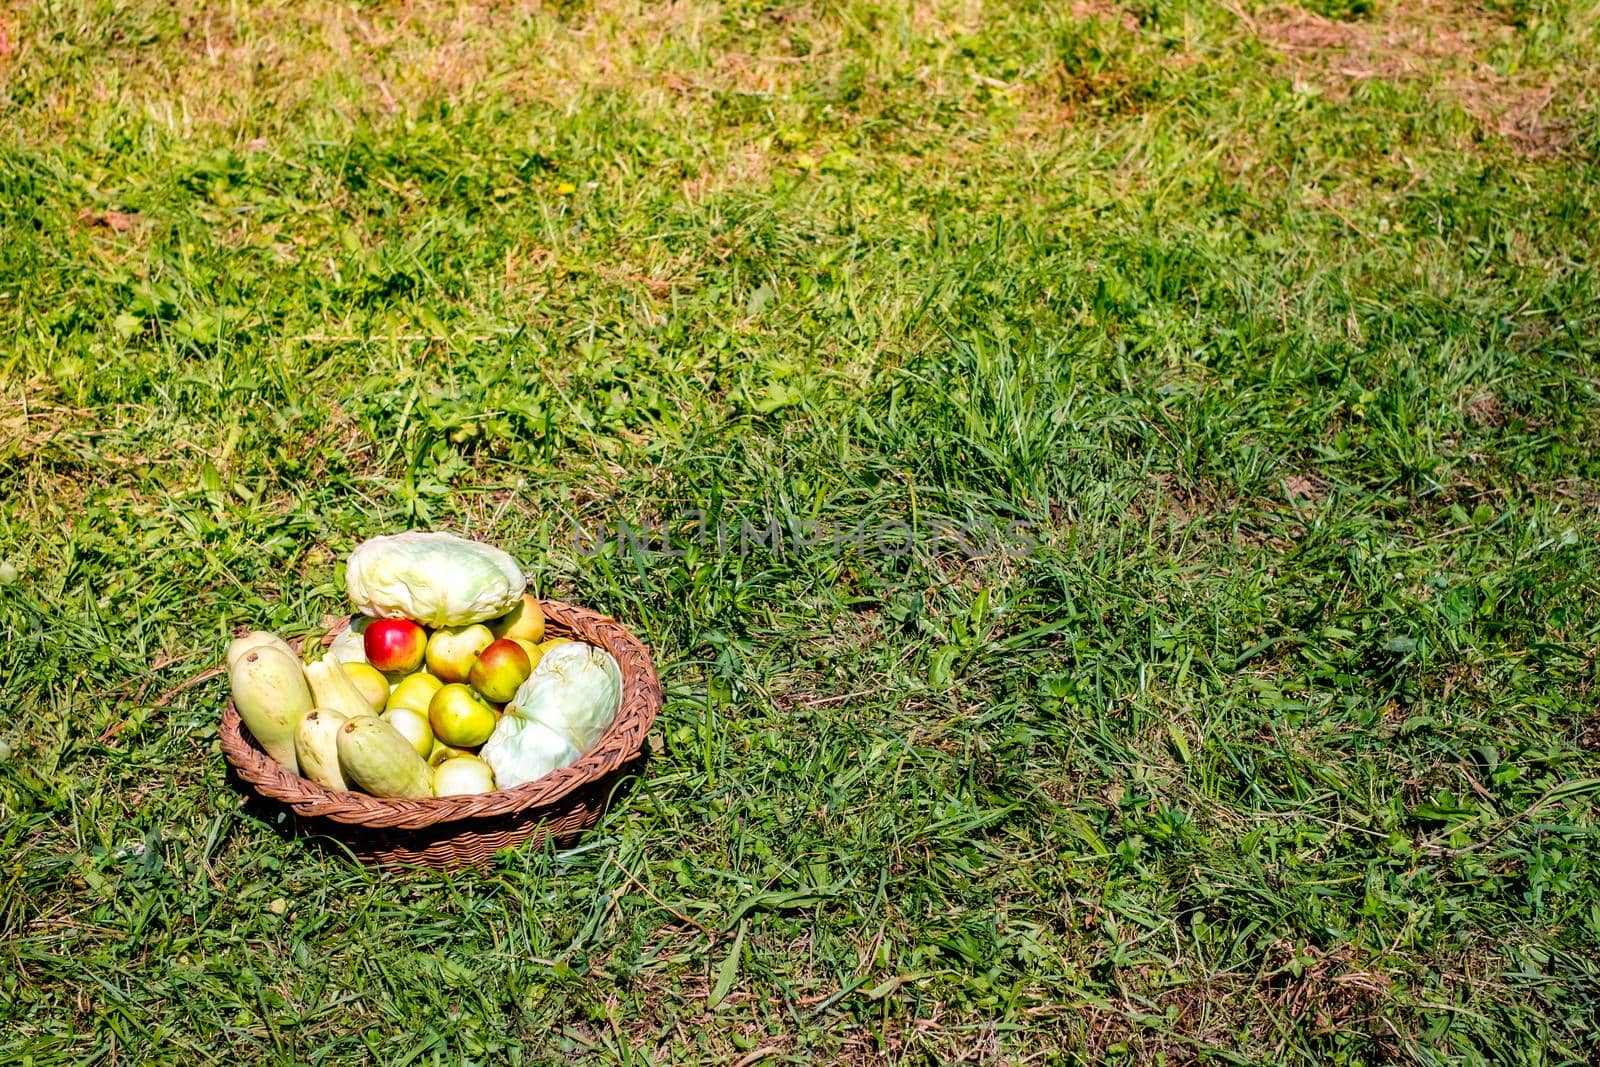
(500, 670)
(394, 646)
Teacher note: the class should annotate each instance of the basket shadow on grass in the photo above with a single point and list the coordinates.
(585, 805)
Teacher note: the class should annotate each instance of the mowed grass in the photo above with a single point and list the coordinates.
(1269, 335)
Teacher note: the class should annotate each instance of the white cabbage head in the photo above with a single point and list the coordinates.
(348, 646)
(521, 750)
(437, 579)
(575, 689)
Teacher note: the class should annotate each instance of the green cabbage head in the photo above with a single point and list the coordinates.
(437, 579)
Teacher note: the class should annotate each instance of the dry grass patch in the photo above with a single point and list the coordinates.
(245, 67)
(1445, 43)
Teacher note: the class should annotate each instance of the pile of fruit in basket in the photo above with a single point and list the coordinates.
(444, 684)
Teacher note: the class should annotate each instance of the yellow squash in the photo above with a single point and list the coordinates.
(317, 746)
(270, 691)
(375, 757)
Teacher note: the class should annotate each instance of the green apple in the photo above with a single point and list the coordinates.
(459, 717)
(452, 650)
(499, 670)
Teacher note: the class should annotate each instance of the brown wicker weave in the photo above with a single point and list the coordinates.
(467, 831)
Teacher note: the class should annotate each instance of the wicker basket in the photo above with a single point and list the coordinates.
(467, 831)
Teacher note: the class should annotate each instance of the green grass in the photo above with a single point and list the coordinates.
(1269, 736)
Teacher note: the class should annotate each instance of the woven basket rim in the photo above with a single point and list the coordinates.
(619, 745)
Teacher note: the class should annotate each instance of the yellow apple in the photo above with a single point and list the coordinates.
(462, 775)
(442, 752)
(452, 650)
(526, 621)
(413, 726)
(415, 691)
(370, 683)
